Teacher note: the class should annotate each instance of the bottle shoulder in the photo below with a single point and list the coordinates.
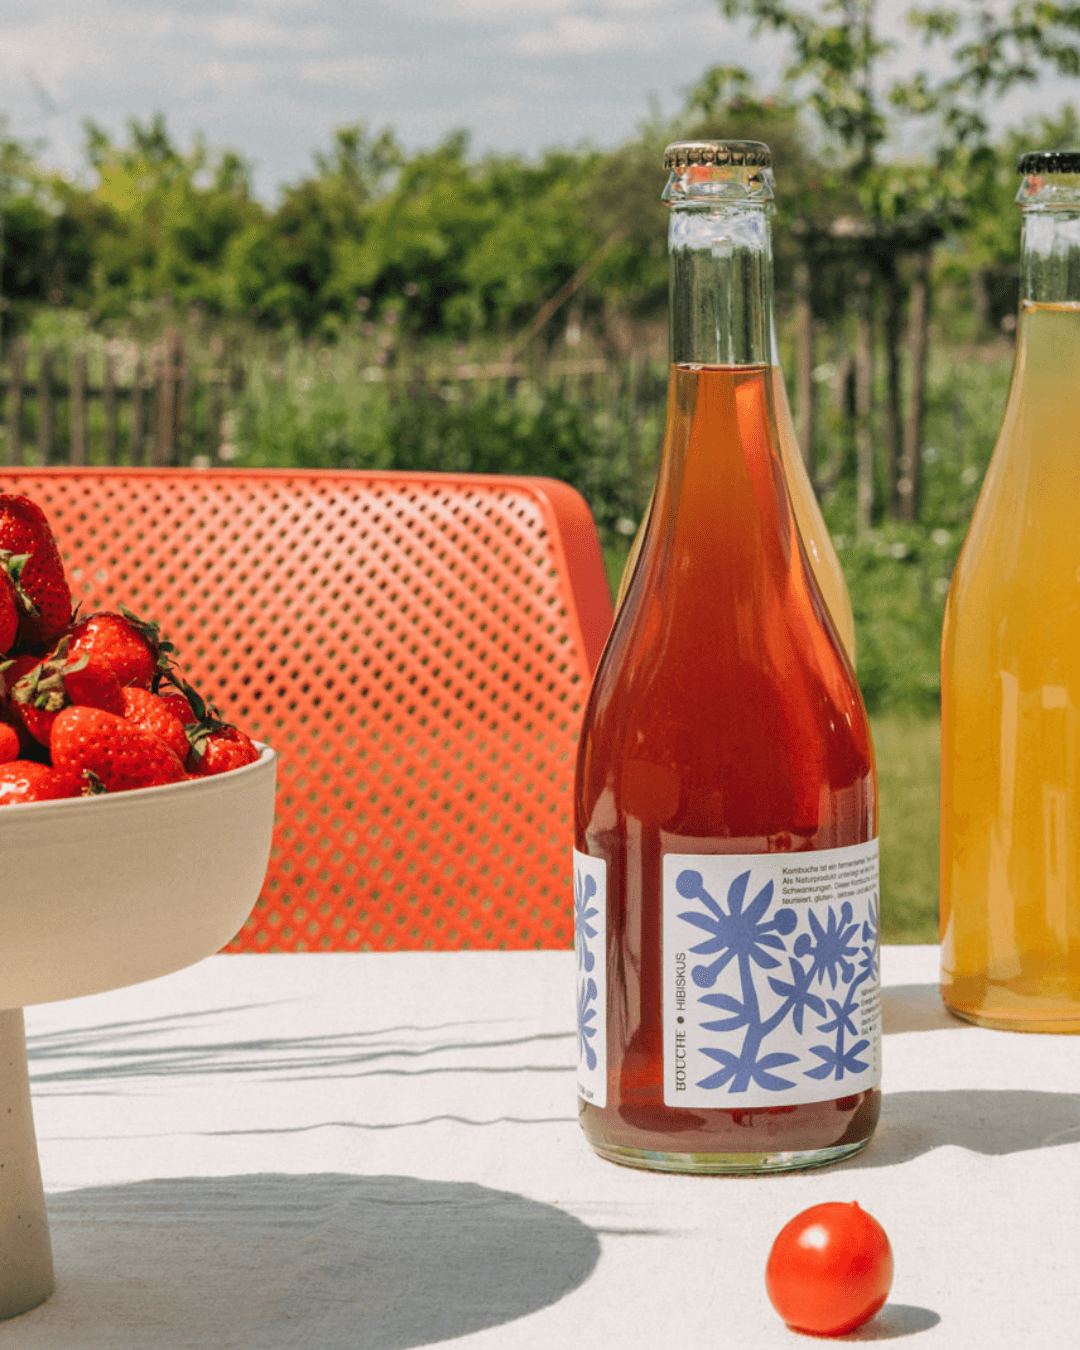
(775, 684)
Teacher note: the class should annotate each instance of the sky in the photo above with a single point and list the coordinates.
(273, 78)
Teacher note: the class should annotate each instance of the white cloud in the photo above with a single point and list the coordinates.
(506, 11)
(580, 35)
(572, 36)
(351, 72)
(215, 75)
(241, 31)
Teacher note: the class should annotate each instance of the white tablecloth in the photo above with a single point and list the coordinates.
(372, 1152)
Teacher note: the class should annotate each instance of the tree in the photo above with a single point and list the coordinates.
(287, 267)
(39, 245)
(160, 220)
(905, 207)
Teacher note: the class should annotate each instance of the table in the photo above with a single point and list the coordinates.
(375, 1151)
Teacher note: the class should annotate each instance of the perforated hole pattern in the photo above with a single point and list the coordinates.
(404, 643)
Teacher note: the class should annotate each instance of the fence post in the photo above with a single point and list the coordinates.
(166, 399)
(108, 399)
(804, 364)
(135, 437)
(44, 406)
(894, 420)
(15, 395)
(909, 483)
(77, 452)
(183, 404)
(213, 416)
(864, 402)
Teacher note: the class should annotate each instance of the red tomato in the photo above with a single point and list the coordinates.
(830, 1269)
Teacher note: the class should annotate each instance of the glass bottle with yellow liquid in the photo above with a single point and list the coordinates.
(1010, 689)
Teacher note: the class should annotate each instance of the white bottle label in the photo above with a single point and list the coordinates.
(590, 949)
(771, 976)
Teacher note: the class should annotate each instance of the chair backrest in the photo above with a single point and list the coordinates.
(416, 647)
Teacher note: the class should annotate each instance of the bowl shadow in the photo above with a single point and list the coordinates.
(264, 1262)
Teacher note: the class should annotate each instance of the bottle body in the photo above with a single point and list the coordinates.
(1010, 688)
(1010, 804)
(820, 550)
(725, 765)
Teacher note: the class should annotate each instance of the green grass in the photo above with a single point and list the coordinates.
(908, 757)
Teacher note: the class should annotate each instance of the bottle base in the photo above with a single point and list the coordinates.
(1065, 1024)
(1045, 1003)
(727, 1164)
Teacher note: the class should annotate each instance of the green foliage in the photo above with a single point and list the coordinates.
(835, 57)
(159, 221)
(898, 574)
(908, 752)
(40, 247)
(835, 62)
(310, 410)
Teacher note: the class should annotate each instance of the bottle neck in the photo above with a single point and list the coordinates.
(720, 284)
(1050, 255)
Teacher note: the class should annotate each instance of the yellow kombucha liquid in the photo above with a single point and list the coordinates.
(1010, 763)
(817, 542)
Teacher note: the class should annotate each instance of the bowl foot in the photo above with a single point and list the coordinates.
(26, 1267)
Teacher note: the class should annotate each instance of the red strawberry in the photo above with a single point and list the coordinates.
(216, 746)
(10, 612)
(23, 781)
(153, 713)
(25, 531)
(179, 706)
(41, 692)
(132, 648)
(12, 671)
(9, 718)
(102, 749)
(219, 750)
(9, 743)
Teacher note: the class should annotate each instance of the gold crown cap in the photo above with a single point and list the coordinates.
(721, 154)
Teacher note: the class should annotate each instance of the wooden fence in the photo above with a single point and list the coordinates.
(158, 406)
(163, 410)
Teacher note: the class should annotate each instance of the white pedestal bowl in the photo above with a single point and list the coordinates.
(96, 893)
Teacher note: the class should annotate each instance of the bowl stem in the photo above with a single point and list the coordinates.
(26, 1268)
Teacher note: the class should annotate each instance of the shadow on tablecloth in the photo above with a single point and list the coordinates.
(984, 1120)
(915, 1007)
(892, 1322)
(273, 1262)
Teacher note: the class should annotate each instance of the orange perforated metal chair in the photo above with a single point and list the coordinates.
(416, 647)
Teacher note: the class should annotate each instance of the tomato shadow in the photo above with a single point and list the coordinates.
(892, 1322)
(981, 1120)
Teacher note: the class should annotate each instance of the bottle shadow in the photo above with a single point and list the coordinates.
(987, 1121)
(270, 1261)
(915, 1007)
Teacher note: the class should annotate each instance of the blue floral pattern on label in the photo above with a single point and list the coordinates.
(771, 977)
(590, 939)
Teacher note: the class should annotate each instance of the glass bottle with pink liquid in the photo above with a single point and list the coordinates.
(725, 864)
